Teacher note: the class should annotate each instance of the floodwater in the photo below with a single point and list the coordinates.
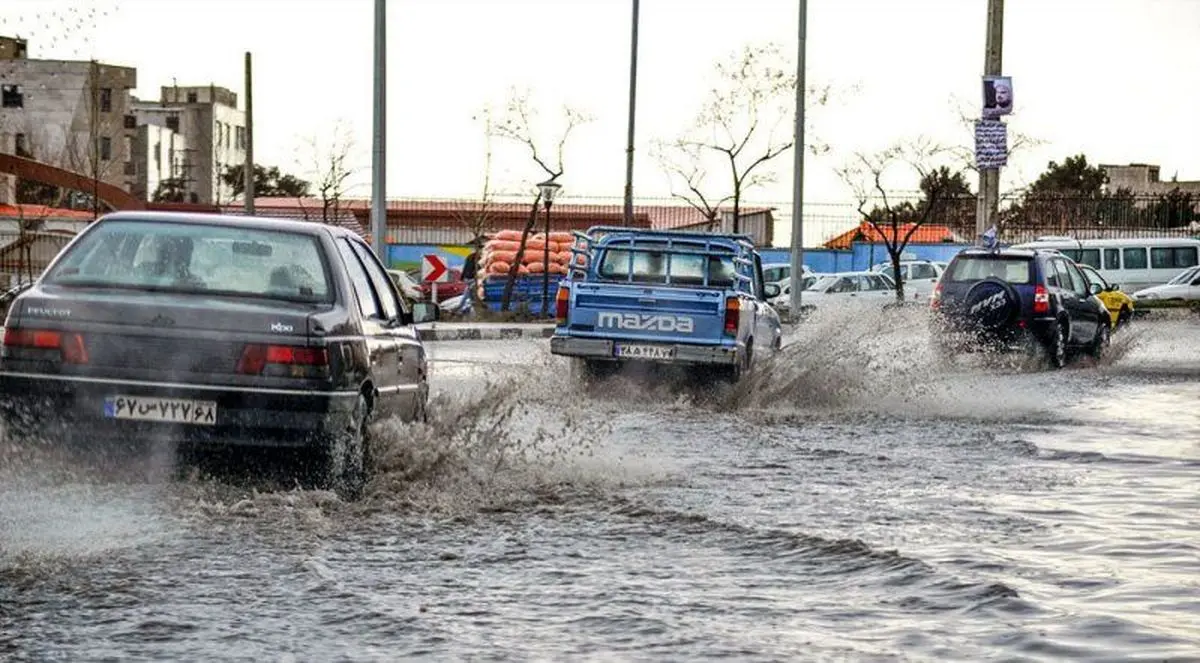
(859, 500)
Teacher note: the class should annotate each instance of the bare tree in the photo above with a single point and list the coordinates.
(477, 216)
(684, 165)
(516, 124)
(92, 150)
(332, 167)
(746, 122)
(870, 176)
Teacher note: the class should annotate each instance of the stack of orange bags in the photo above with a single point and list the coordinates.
(500, 251)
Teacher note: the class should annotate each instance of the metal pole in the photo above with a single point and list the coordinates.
(379, 139)
(633, 52)
(989, 178)
(546, 264)
(797, 278)
(248, 166)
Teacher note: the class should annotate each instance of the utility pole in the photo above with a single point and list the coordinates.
(797, 280)
(989, 178)
(379, 138)
(248, 166)
(633, 53)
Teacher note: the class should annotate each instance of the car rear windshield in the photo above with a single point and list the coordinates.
(1015, 270)
(649, 265)
(196, 258)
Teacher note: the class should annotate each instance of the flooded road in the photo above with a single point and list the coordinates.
(859, 501)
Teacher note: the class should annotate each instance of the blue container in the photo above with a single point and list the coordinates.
(527, 290)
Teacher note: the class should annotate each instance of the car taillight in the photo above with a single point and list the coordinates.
(561, 303)
(71, 346)
(733, 309)
(283, 360)
(1041, 300)
(935, 300)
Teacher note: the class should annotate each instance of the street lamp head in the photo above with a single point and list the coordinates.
(549, 189)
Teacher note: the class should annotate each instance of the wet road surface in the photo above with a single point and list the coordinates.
(860, 501)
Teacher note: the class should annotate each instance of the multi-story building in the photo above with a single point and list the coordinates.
(163, 162)
(70, 114)
(1143, 179)
(213, 131)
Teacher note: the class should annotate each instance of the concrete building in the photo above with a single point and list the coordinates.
(213, 132)
(164, 167)
(1144, 179)
(70, 114)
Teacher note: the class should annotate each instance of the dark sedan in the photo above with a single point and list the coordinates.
(216, 330)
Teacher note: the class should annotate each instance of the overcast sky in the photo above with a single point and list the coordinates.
(1115, 79)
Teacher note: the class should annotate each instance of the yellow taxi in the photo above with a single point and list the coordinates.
(1119, 304)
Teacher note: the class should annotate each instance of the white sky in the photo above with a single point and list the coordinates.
(1115, 79)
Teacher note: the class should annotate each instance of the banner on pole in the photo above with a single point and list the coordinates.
(991, 144)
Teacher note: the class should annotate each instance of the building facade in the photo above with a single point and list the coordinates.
(163, 162)
(70, 114)
(213, 133)
(1144, 179)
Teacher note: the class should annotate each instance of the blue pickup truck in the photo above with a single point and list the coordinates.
(664, 297)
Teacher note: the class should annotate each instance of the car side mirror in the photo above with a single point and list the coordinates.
(425, 312)
(1114, 287)
(1095, 288)
(771, 290)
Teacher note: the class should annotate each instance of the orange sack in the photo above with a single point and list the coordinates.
(556, 268)
(502, 245)
(508, 236)
(562, 238)
(499, 267)
(504, 256)
(536, 267)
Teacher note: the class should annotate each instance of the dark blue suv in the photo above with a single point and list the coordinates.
(1018, 298)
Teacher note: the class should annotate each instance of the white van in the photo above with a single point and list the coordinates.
(1134, 263)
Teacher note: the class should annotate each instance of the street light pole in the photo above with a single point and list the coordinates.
(989, 178)
(548, 190)
(633, 52)
(797, 268)
(379, 138)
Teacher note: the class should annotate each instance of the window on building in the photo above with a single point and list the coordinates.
(130, 168)
(158, 155)
(105, 100)
(219, 133)
(173, 123)
(241, 138)
(193, 197)
(228, 138)
(192, 97)
(11, 96)
(105, 148)
(21, 146)
(131, 122)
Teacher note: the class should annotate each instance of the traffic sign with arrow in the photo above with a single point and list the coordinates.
(433, 268)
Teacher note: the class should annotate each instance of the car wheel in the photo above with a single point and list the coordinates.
(342, 461)
(1100, 343)
(1056, 347)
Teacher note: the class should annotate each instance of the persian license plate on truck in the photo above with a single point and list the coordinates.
(633, 351)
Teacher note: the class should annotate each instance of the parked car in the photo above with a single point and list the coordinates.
(1135, 263)
(783, 301)
(920, 276)
(446, 289)
(778, 272)
(1184, 289)
(1119, 304)
(216, 330)
(1019, 299)
(849, 289)
(409, 287)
